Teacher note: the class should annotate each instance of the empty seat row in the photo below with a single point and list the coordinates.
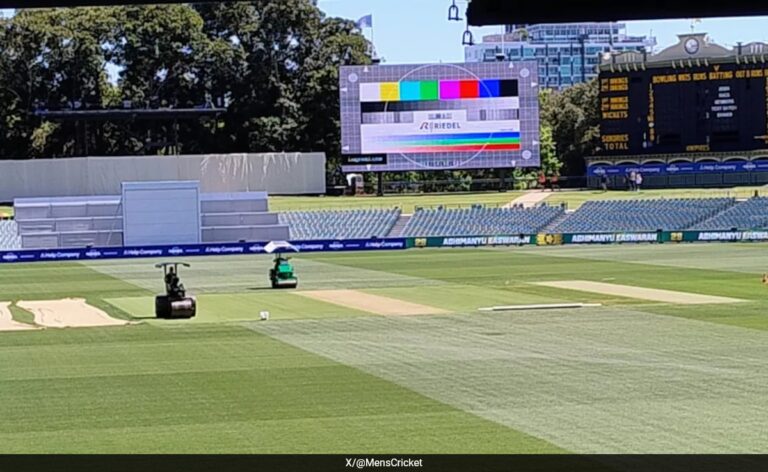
(342, 224)
(642, 215)
(9, 235)
(750, 214)
(480, 221)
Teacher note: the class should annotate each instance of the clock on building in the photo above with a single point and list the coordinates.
(692, 46)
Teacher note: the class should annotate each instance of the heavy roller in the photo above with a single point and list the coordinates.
(175, 304)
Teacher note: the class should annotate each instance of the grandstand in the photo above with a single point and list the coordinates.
(608, 216)
(9, 235)
(479, 221)
(642, 215)
(750, 214)
(342, 224)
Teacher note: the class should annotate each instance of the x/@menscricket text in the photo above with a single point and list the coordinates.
(383, 463)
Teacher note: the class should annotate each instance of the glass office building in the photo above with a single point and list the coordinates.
(567, 53)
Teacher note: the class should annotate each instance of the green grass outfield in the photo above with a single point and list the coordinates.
(406, 202)
(631, 376)
(573, 199)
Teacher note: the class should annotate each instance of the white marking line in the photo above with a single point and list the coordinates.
(652, 294)
(540, 307)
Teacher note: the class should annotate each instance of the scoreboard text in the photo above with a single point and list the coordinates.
(718, 108)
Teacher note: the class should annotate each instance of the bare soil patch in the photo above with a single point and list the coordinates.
(7, 322)
(375, 304)
(529, 199)
(651, 294)
(68, 313)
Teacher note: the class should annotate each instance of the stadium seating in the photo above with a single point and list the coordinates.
(9, 237)
(239, 216)
(642, 215)
(480, 221)
(343, 224)
(750, 214)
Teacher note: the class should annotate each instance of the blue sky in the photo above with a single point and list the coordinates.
(413, 31)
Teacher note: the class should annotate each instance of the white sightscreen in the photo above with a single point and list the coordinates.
(157, 213)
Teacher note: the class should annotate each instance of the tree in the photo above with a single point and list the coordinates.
(338, 43)
(550, 162)
(48, 59)
(573, 115)
(161, 53)
(275, 64)
(281, 73)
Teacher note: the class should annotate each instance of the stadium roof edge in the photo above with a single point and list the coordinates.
(501, 12)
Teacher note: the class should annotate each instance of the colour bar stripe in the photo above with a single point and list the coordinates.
(451, 142)
(430, 90)
(476, 136)
(469, 89)
(390, 91)
(410, 91)
(490, 89)
(450, 90)
(461, 148)
(422, 90)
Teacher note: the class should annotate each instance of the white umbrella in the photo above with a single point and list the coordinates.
(280, 246)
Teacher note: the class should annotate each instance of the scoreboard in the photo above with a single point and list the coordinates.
(714, 108)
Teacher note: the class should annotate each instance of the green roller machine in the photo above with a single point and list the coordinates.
(282, 275)
(175, 304)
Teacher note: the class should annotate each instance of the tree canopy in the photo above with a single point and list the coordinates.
(573, 117)
(274, 64)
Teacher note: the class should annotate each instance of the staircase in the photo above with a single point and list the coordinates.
(554, 223)
(710, 216)
(397, 230)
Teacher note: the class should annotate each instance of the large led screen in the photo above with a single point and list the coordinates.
(439, 116)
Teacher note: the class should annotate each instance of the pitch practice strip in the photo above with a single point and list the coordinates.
(641, 293)
(375, 304)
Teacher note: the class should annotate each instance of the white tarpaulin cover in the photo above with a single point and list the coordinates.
(275, 173)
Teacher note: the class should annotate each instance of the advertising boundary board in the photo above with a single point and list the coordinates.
(385, 244)
(716, 236)
(613, 238)
(653, 237)
(192, 250)
(759, 165)
(470, 241)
